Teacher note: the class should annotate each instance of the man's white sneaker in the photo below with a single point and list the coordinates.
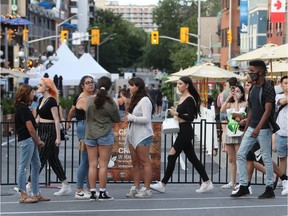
(144, 193)
(65, 190)
(82, 195)
(237, 188)
(285, 187)
(132, 192)
(205, 187)
(158, 187)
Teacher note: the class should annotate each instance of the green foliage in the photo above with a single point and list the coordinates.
(168, 90)
(66, 103)
(7, 106)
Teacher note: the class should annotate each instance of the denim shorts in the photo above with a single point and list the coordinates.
(282, 146)
(146, 142)
(223, 116)
(107, 139)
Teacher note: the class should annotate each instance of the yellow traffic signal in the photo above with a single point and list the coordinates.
(29, 63)
(95, 36)
(184, 34)
(25, 34)
(64, 36)
(154, 37)
(229, 36)
(10, 33)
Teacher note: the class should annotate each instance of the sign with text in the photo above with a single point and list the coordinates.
(120, 164)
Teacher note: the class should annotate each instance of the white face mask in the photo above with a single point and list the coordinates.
(238, 95)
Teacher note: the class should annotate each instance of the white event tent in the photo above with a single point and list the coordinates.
(68, 66)
(90, 66)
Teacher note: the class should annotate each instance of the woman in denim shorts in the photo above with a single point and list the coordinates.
(140, 135)
(101, 113)
(86, 87)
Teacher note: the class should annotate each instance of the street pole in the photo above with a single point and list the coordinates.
(58, 25)
(199, 31)
(6, 48)
(230, 27)
(97, 56)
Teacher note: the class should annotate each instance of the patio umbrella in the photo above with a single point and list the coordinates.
(279, 52)
(19, 21)
(3, 19)
(280, 68)
(256, 54)
(207, 70)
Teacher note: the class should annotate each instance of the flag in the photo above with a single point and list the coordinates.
(278, 11)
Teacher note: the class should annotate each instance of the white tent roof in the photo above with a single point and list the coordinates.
(67, 66)
(90, 66)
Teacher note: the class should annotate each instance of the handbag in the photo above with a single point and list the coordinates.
(63, 133)
(170, 125)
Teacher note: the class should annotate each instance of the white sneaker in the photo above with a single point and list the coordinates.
(132, 192)
(29, 190)
(205, 187)
(82, 195)
(237, 188)
(144, 193)
(158, 187)
(285, 187)
(65, 190)
(230, 185)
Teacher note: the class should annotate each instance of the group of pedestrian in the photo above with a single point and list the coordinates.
(252, 108)
(96, 111)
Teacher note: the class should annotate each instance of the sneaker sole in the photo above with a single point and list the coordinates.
(160, 191)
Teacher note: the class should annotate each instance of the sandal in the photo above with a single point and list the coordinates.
(42, 198)
(27, 199)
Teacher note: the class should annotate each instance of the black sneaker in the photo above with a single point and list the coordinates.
(243, 191)
(104, 196)
(93, 196)
(268, 194)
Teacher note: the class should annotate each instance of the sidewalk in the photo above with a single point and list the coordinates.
(180, 199)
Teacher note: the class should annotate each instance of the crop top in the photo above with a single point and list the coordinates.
(45, 111)
(187, 109)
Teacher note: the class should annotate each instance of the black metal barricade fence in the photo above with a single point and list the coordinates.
(216, 165)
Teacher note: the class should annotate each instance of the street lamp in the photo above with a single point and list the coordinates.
(49, 56)
(110, 37)
(59, 24)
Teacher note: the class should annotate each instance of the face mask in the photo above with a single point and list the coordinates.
(254, 76)
(238, 95)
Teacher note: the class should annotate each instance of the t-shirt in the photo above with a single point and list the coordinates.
(22, 115)
(45, 111)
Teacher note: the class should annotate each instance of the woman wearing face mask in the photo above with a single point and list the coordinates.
(234, 103)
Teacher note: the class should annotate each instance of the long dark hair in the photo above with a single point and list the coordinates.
(192, 90)
(103, 86)
(81, 83)
(23, 95)
(136, 97)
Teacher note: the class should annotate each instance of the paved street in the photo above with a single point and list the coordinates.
(180, 199)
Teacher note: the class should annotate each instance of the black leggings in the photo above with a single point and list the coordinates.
(50, 151)
(183, 143)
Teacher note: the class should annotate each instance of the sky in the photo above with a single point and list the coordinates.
(137, 2)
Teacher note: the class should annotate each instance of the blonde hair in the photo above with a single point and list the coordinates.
(53, 91)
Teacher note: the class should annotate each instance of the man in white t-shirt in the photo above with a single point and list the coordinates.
(282, 120)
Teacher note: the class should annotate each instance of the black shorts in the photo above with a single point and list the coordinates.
(255, 154)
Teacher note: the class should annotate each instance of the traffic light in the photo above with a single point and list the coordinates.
(25, 35)
(64, 36)
(229, 36)
(95, 36)
(10, 33)
(154, 37)
(184, 34)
